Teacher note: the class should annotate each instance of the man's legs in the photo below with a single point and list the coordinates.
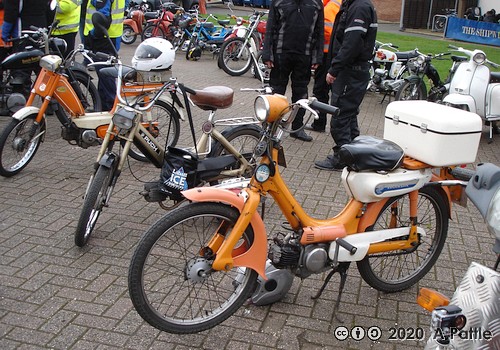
(321, 91)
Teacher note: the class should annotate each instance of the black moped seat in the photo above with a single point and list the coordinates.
(212, 98)
(368, 153)
(406, 55)
(151, 15)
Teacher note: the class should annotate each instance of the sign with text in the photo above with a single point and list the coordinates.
(473, 31)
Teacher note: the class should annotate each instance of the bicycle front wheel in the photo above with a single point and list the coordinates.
(235, 57)
(170, 280)
(399, 270)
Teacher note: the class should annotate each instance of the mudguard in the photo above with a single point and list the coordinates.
(254, 258)
(25, 112)
(107, 160)
(459, 99)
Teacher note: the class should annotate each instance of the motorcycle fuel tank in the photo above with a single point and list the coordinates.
(23, 60)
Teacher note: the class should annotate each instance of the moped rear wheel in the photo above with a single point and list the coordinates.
(399, 270)
(128, 35)
(235, 57)
(411, 91)
(19, 142)
(95, 198)
(170, 280)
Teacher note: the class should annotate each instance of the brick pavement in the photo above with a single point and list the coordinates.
(56, 295)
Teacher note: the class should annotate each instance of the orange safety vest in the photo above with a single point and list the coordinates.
(331, 8)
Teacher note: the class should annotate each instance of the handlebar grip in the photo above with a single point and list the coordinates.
(34, 28)
(395, 46)
(462, 173)
(346, 245)
(324, 107)
(102, 56)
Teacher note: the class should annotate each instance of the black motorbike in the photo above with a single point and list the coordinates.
(20, 66)
(414, 87)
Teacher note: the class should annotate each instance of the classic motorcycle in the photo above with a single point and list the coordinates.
(21, 138)
(474, 308)
(389, 68)
(475, 88)
(414, 87)
(199, 263)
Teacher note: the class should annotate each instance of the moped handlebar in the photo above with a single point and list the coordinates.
(325, 107)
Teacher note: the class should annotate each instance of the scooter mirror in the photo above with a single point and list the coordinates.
(53, 5)
(101, 24)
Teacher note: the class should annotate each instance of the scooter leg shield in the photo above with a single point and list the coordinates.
(255, 257)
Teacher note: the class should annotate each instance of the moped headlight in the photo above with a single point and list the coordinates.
(50, 62)
(479, 58)
(124, 118)
(420, 59)
(269, 108)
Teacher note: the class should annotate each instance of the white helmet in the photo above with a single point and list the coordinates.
(153, 54)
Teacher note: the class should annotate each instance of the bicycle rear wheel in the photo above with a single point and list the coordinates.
(399, 270)
(235, 57)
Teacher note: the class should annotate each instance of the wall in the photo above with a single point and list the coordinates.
(388, 10)
(487, 5)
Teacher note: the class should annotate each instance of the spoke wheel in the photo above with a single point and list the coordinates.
(93, 204)
(399, 270)
(234, 57)
(411, 91)
(170, 281)
(17, 147)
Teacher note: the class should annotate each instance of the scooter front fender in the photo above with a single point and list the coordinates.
(255, 257)
(460, 100)
(25, 112)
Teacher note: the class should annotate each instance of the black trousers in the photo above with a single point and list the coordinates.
(297, 68)
(321, 90)
(348, 91)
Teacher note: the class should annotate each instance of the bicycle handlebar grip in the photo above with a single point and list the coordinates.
(325, 107)
(462, 173)
(346, 245)
(102, 56)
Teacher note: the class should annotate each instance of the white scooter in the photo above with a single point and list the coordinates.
(471, 320)
(475, 88)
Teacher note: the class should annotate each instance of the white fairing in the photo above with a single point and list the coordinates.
(369, 187)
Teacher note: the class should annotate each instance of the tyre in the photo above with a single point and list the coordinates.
(168, 130)
(152, 31)
(17, 147)
(234, 57)
(264, 71)
(411, 91)
(399, 270)
(95, 198)
(193, 52)
(170, 281)
(439, 23)
(128, 35)
(242, 137)
(91, 99)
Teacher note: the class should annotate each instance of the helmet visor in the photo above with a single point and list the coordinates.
(147, 52)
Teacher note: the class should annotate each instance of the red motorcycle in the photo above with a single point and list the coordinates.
(162, 26)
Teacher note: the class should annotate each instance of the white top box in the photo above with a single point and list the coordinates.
(433, 133)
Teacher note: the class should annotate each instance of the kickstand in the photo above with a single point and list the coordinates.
(342, 270)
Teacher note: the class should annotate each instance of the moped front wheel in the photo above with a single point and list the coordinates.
(398, 270)
(19, 142)
(235, 57)
(128, 36)
(94, 201)
(171, 283)
(411, 91)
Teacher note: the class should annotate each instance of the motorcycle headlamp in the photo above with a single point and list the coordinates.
(269, 108)
(50, 62)
(239, 21)
(479, 58)
(420, 59)
(124, 118)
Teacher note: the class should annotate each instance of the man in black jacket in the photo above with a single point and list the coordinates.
(351, 48)
(20, 15)
(292, 46)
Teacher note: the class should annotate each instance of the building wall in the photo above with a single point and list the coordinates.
(388, 10)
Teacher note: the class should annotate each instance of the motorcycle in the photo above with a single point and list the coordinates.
(471, 319)
(210, 255)
(414, 87)
(388, 68)
(134, 22)
(21, 138)
(162, 24)
(475, 88)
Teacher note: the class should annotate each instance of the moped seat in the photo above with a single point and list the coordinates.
(455, 58)
(406, 55)
(212, 98)
(224, 22)
(368, 153)
(494, 77)
(207, 25)
(151, 15)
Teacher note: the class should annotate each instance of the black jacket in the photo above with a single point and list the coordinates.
(34, 13)
(354, 34)
(294, 26)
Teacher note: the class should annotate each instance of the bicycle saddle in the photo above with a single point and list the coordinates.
(212, 98)
(371, 153)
